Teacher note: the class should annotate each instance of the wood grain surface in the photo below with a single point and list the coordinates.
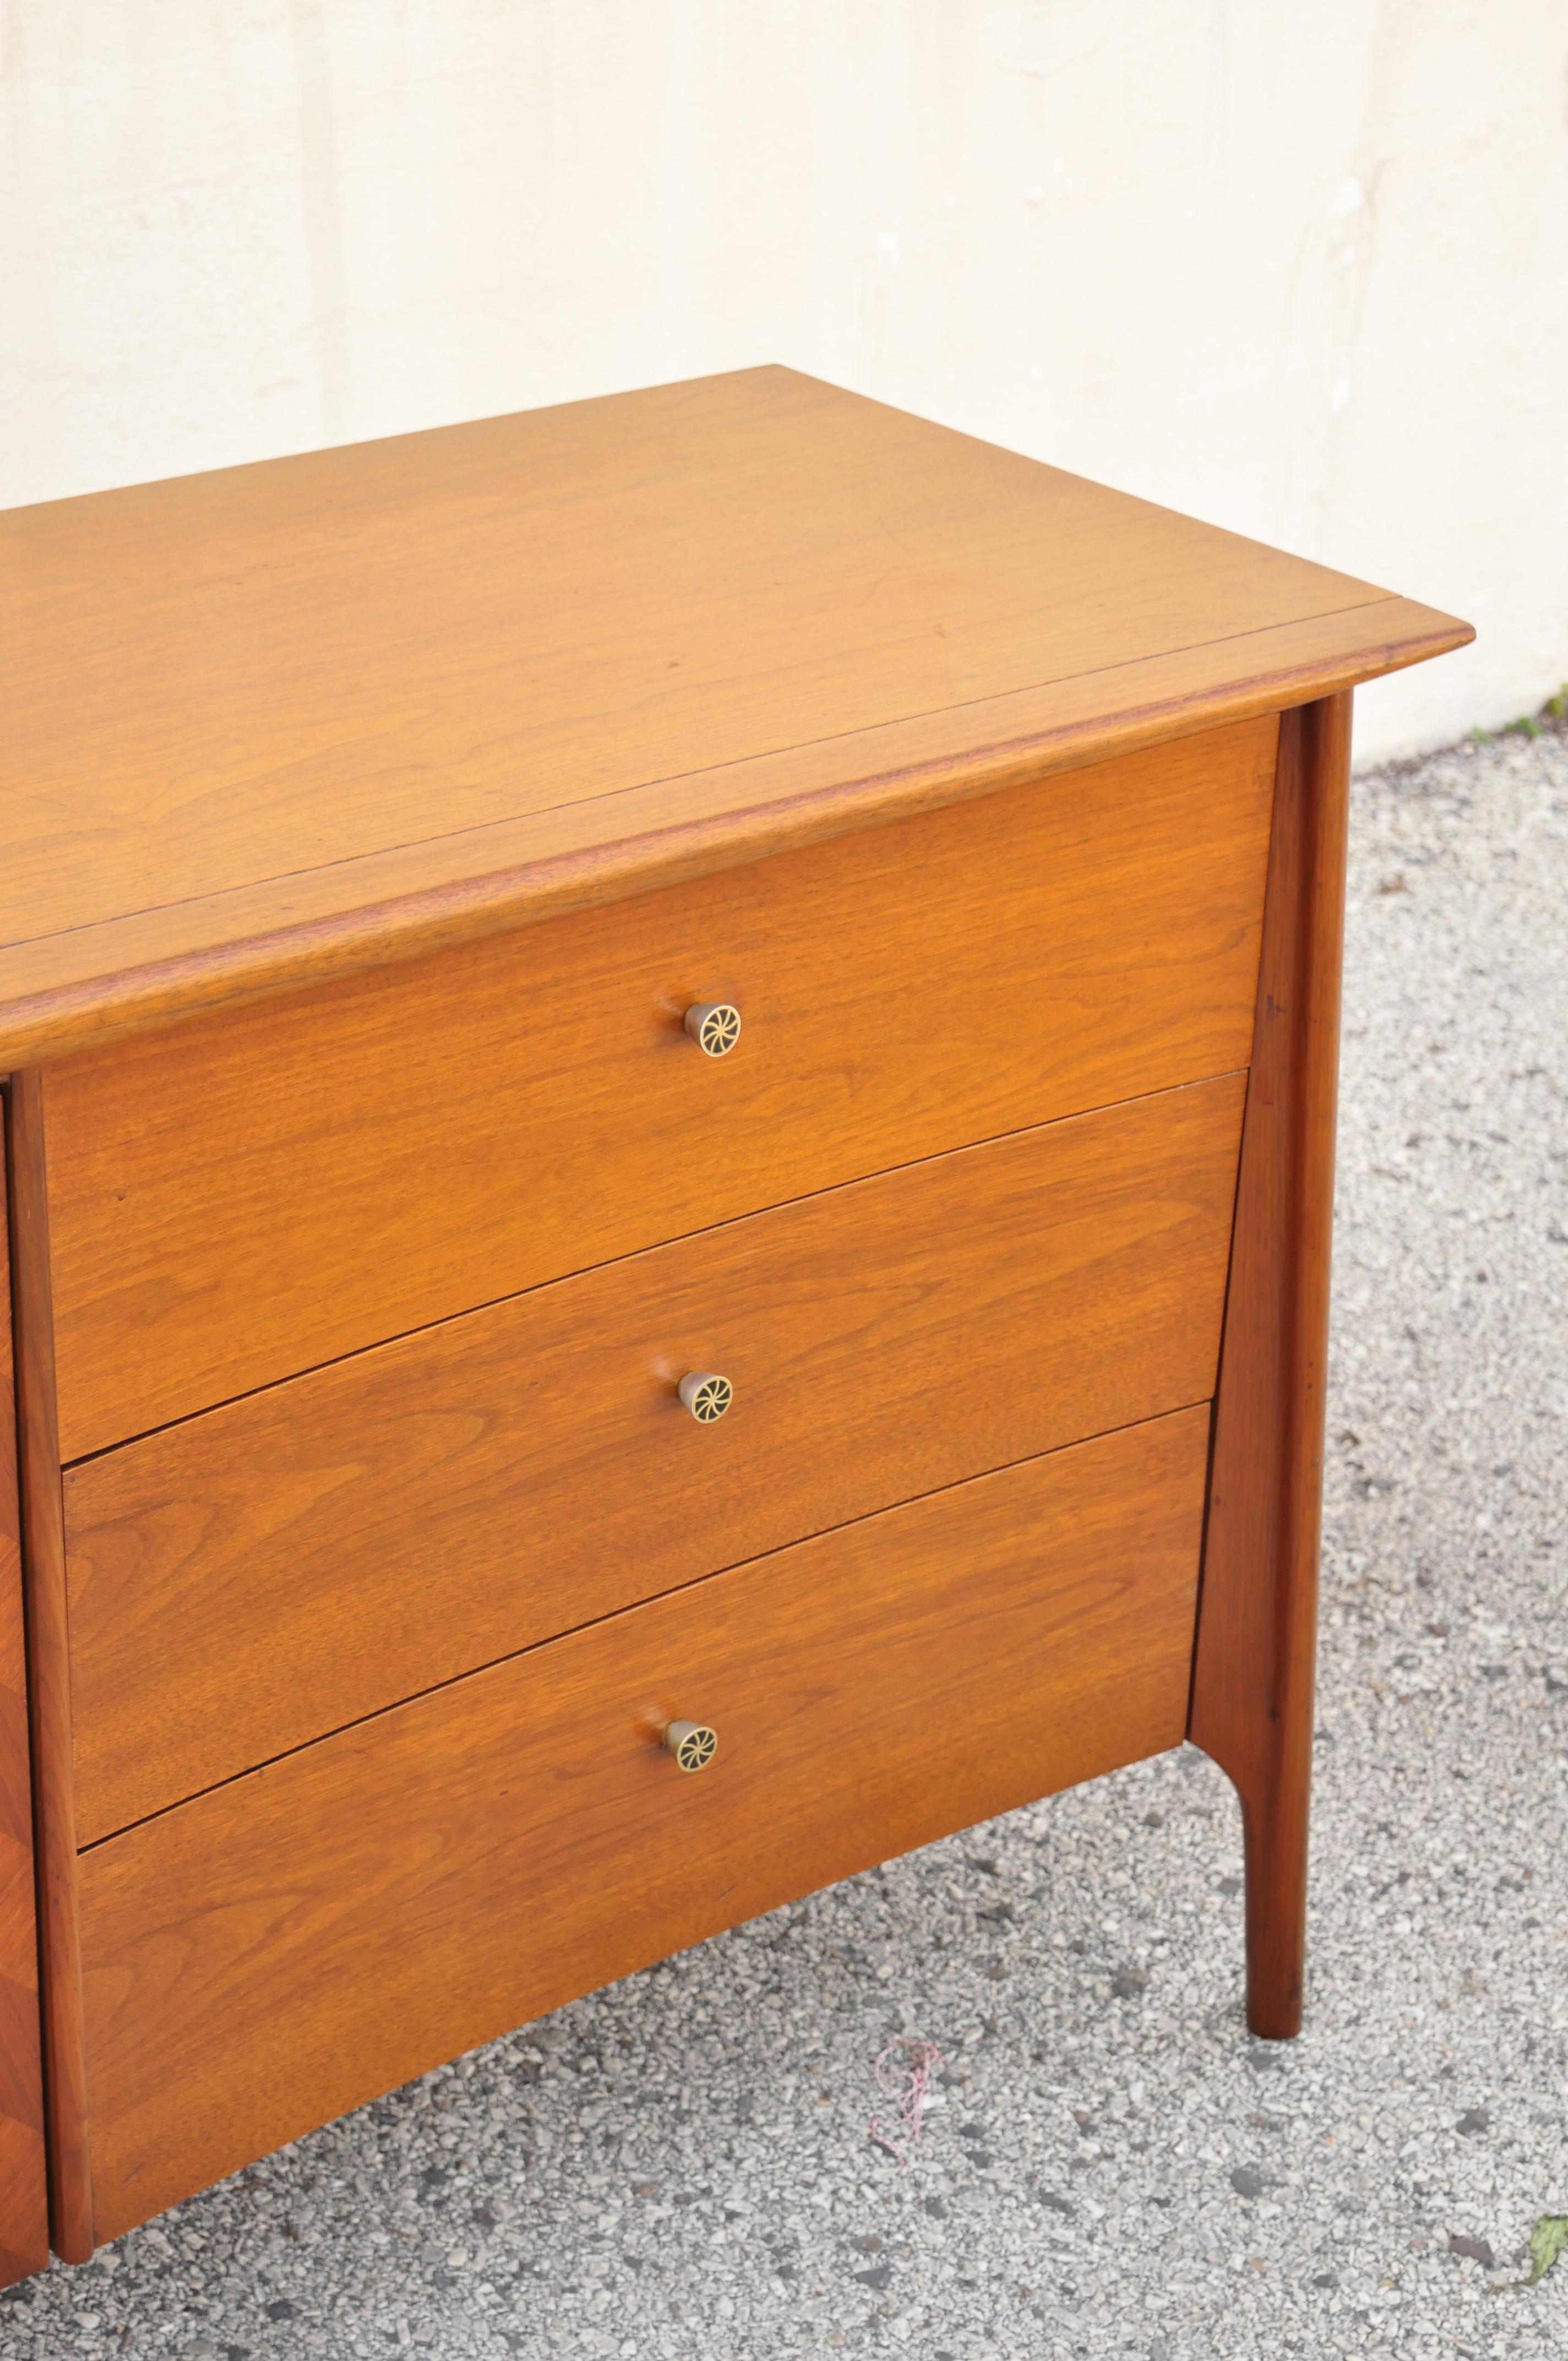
(272, 673)
(248, 1580)
(49, 1678)
(24, 2177)
(290, 1945)
(103, 983)
(1256, 1650)
(235, 1202)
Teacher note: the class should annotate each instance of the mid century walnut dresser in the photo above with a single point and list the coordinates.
(631, 1035)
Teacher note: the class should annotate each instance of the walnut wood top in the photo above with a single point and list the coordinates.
(281, 721)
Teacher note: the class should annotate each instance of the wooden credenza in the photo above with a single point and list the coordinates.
(669, 1151)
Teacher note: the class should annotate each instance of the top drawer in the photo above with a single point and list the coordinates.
(237, 1200)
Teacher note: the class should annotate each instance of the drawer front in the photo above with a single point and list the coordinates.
(235, 1201)
(287, 1946)
(251, 1580)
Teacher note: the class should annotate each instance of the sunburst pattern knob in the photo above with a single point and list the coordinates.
(692, 1743)
(714, 1026)
(706, 1394)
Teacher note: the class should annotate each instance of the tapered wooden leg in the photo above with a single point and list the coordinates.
(1274, 1827)
(1252, 1674)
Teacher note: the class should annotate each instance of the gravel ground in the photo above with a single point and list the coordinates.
(681, 2165)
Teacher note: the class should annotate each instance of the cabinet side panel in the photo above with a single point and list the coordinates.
(24, 2187)
(48, 1675)
(1253, 1681)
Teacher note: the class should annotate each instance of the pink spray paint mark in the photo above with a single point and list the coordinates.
(903, 2072)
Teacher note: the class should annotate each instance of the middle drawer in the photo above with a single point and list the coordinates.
(263, 1574)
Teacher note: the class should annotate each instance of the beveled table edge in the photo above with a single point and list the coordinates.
(96, 985)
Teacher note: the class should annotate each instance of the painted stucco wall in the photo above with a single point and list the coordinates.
(1302, 270)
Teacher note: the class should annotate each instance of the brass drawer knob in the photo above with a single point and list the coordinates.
(692, 1743)
(714, 1026)
(707, 1395)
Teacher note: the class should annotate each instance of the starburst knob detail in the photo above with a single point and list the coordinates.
(707, 1395)
(692, 1743)
(714, 1026)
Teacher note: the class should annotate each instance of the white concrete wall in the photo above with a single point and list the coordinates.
(1298, 266)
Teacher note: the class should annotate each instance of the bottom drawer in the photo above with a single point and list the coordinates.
(287, 1945)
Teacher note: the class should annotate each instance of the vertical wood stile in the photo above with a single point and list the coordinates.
(48, 1678)
(1254, 1672)
(23, 2188)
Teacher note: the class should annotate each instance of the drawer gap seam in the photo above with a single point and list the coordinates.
(494, 1302)
(515, 1655)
